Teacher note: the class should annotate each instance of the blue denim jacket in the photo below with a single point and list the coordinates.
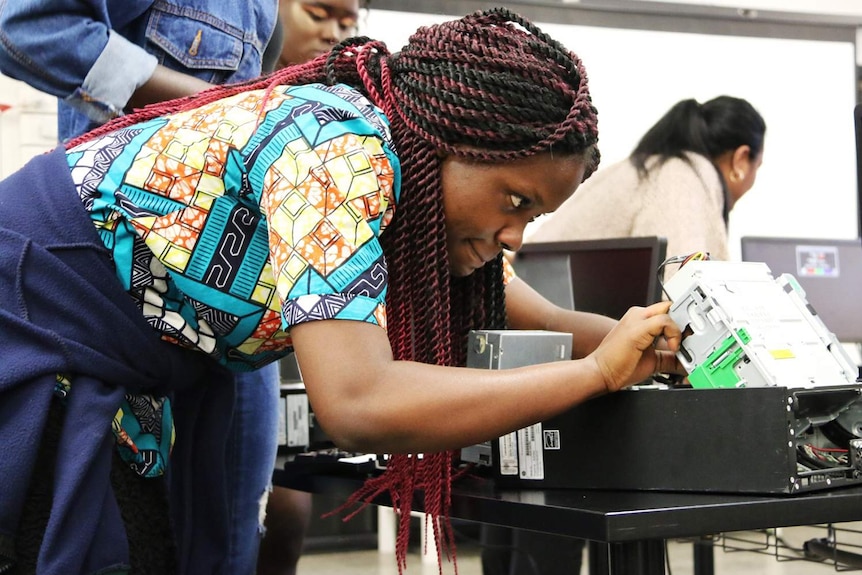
(93, 54)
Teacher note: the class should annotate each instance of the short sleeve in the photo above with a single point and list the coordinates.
(326, 206)
(508, 271)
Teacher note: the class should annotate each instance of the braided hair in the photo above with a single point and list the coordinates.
(490, 86)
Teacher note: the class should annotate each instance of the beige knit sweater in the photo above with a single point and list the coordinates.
(680, 201)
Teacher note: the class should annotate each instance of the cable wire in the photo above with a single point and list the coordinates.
(681, 260)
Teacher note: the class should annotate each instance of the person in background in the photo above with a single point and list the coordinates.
(332, 209)
(127, 56)
(310, 29)
(680, 182)
(303, 31)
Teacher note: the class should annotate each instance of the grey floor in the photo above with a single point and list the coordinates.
(768, 553)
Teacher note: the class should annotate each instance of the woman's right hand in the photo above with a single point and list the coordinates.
(629, 354)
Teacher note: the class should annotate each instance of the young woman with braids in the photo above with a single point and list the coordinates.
(353, 209)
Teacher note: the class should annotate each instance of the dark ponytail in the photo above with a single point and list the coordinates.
(709, 129)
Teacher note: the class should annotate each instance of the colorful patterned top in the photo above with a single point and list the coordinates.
(230, 223)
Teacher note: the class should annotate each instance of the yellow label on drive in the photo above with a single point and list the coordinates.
(782, 354)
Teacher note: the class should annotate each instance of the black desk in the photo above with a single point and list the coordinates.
(627, 529)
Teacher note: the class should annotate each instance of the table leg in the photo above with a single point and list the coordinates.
(704, 560)
(634, 558)
(387, 531)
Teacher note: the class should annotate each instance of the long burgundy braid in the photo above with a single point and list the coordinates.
(490, 86)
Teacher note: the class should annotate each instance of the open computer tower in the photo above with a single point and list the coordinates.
(750, 424)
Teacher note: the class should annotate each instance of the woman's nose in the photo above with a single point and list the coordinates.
(511, 238)
(331, 31)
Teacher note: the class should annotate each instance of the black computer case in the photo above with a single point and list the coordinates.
(709, 440)
(768, 440)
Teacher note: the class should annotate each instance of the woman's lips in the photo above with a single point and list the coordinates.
(483, 260)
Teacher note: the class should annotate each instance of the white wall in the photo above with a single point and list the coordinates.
(28, 124)
(804, 89)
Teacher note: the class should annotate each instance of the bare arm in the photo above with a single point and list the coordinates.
(366, 401)
(527, 309)
(166, 84)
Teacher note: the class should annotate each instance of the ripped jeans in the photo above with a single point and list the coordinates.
(251, 453)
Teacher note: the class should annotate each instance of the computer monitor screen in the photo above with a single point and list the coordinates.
(605, 276)
(830, 272)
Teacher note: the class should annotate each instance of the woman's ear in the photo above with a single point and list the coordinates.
(740, 163)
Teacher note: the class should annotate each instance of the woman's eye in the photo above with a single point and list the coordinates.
(317, 13)
(518, 201)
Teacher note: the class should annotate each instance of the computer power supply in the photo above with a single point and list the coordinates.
(505, 349)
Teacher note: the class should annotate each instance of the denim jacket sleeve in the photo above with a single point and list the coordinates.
(94, 54)
(53, 45)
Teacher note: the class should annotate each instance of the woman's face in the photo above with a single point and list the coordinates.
(311, 28)
(487, 206)
(739, 171)
(739, 188)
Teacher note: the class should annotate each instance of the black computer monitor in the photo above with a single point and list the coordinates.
(829, 270)
(605, 276)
